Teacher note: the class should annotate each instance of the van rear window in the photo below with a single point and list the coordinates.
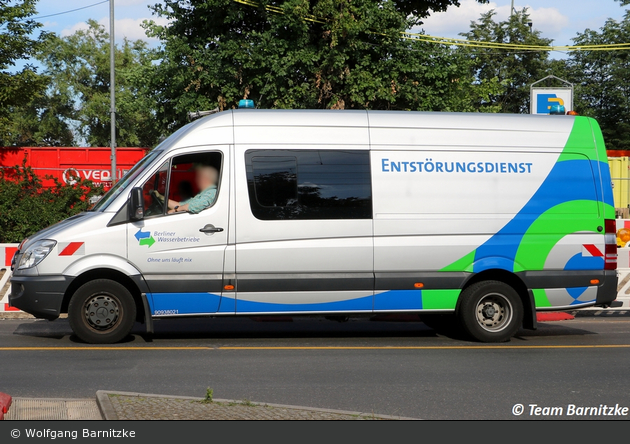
(309, 184)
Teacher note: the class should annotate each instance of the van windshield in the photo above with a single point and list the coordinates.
(121, 185)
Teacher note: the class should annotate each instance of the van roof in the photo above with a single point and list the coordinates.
(364, 127)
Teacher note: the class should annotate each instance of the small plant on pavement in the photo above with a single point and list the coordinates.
(208, 397)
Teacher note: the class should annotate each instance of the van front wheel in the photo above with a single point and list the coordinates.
(102, 312)
(490, 311)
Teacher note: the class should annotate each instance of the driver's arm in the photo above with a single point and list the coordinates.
(180, 208)
(172, 204)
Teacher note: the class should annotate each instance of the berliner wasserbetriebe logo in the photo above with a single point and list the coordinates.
(144, 238)
(147, 238)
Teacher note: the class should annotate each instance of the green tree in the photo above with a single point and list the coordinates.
(78, 66)
(307, 54)
(602, 87)
(504, 75)
(41, 121)
(17, 86)
(27, 207)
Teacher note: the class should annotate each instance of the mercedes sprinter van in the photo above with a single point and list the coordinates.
(488, 217)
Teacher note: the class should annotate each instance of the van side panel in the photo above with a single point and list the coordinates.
(543, 224)
(432, 208)
(561, 243)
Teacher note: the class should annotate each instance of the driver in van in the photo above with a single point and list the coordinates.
(206, 180)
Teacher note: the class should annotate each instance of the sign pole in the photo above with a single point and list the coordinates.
(112, 89)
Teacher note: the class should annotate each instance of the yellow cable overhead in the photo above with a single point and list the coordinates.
(460, 42)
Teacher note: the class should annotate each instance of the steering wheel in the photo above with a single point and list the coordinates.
(157, 204)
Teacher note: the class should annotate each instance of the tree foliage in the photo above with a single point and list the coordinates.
(336, 54)
(17, 44)
(40, 121)
(27, 207)
(602, 81)
(508, 72)
(313, 54)
(79, 68)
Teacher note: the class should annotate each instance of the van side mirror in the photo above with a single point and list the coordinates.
(136, 205)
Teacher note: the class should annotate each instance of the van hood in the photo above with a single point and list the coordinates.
(54, 230)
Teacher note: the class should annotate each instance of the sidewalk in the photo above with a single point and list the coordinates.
(140, 406)
(48, 409)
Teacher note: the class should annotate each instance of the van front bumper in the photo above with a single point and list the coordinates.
(41, 296)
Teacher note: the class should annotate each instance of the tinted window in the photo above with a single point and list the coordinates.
(309, 184)
(275, 180)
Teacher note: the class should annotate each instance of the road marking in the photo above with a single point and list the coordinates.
(100, 348)
(446, 347)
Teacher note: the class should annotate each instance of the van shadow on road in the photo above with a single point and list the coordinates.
(283, 328)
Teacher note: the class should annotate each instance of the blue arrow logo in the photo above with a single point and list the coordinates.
(142, 234)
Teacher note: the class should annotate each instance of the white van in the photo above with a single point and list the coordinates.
(488, 217)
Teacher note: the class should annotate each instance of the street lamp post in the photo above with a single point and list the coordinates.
(112, 90)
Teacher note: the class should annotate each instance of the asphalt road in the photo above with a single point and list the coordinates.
(394, 368)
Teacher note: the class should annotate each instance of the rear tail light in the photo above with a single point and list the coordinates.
(610, 237)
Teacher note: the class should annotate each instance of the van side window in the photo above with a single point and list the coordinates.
(183, 180)
(275, 180)
(309, 184)
(194, 180)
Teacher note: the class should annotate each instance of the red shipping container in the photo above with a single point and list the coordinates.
(66, 163)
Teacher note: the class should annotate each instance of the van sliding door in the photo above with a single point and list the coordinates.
(304, 230)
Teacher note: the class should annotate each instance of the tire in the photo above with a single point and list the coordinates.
(102, 312)
(490, 311)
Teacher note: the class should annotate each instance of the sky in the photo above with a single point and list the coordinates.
(559, 20)
(128, 15)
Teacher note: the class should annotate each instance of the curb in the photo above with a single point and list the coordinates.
(105, 406)
(604, 312)
(5, 403)
(109, 414)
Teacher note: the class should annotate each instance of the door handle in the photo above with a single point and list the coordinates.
(210, 229)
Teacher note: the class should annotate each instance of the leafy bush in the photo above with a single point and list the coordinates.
(26, 206)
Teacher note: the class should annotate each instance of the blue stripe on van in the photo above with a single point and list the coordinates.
(604, 169)
(359, 304)
(398, 300)
(227, 305)
(560, 186)
(183, 303)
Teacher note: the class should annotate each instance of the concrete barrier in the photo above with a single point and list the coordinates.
(6, 255)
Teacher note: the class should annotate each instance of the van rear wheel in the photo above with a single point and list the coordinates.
(490, 311)
(102, 312)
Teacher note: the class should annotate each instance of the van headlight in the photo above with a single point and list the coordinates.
(36, 253)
